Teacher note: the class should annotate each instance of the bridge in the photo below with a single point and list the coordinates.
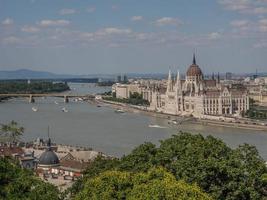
(65, 96)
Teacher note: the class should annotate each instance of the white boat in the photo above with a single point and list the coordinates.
(64, 110)
(56, 102)
(119, 111)
(174, 122)
(34, 109)
(155, 126)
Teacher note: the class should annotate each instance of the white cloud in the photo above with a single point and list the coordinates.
(30, 29)
(263, 25)
(214, 35)
(67, 11)
(239, 23)
(113, 30)
(11, 40)
(61, 22)
(8, 21)
(91, 9)
(256, 7)
(168, 21)
(136, 18)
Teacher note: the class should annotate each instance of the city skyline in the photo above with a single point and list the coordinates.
(78, 37)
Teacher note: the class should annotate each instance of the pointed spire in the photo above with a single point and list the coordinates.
(178, 75)
(169, 84)
(170, 74)
(194, 59)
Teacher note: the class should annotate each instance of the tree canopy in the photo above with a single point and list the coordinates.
(157, 183)
(17, 183)
(220, 171)
(12, 130)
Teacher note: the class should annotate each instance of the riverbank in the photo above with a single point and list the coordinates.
(182, 119)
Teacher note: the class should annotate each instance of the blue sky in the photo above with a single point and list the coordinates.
(148, 36)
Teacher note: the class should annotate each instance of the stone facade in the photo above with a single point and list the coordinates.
(196, 96)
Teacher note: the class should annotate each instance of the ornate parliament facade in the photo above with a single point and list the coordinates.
(196, 96)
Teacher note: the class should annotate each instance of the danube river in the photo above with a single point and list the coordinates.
(104, 130)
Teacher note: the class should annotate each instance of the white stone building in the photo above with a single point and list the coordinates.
(196, 96)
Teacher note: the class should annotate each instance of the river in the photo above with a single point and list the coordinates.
(104, 130)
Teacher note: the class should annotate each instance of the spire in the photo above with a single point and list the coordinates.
(170, 75)
(178, 83)
(49, 140)
(169, 84)
(178, 75)
(194, 59)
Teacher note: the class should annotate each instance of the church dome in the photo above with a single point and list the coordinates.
(194, 69)
(48, 158)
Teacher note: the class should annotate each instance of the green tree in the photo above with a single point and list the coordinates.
(222, 172)
(217, 169)
(12, 130)
(17, 183)
(157, 183)
(99, 165)
(144, 155)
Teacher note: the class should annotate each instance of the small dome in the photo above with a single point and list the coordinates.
(48, 158)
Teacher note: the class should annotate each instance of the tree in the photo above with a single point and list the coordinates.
(144, 155)
(17, 183)
(99, 165)
(220, 171)
(12, 130)
(155, 184)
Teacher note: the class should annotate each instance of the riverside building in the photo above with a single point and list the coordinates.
(194, 95)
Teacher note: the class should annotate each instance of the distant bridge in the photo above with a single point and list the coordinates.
(65, 96)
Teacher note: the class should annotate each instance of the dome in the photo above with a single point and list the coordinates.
(48, 158)
(194, 69)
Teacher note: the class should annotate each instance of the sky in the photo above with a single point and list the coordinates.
(131, 36)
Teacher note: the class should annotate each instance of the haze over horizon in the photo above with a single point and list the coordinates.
(89, 37)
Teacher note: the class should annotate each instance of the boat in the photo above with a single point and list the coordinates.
(174, 121)
(119, 111)
(34, 109)
(64, 110)
(56, 102)
(155, 126)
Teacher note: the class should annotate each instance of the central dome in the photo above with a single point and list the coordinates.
(194, 69)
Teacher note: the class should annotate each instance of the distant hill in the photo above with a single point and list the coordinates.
(30, 74)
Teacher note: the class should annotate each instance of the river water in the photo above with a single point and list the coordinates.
(104, 130)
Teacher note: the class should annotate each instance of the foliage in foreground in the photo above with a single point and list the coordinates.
(222, 172)
(16, 183)
(11, 130)
(157, 183)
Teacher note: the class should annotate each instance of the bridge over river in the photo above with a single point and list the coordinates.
(60, 95)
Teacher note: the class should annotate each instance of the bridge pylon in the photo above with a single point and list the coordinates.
(31, 99)
(66, 99)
